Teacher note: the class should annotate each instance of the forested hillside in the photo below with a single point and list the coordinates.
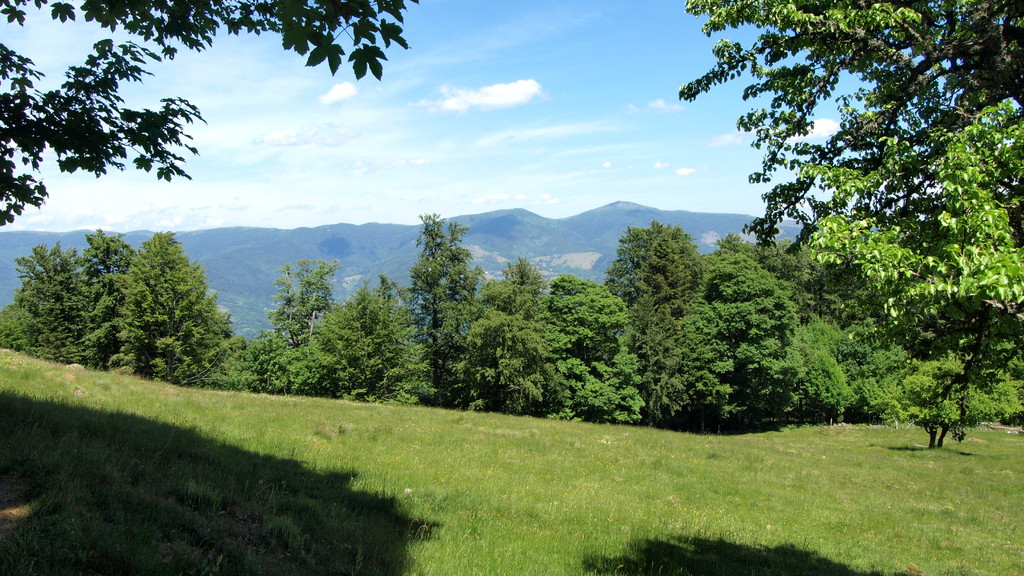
(746, 337)
(242, 263)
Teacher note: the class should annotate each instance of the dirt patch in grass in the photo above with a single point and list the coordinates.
(12, 503)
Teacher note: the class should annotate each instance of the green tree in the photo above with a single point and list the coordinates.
(961, 292)
(874, 372)
(105, 263)
(657, 272)
(918, 190)
(596, 376)
(304, 296)
(506, 361)
(263, 367)
(173, 330)
(84, 122)
(443, 301)
(53, 303)
(740, 332)
(658, 262)
(366, 345)
(14, 322)
(705, 361)
(924, 402)
(821, 392)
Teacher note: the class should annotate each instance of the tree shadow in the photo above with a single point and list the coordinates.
(112, 493)
(943, 450)
(692, 556)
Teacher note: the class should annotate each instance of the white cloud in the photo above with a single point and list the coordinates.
(281, 138)
(325, 135)
(331, 135)
(726, 140)
(339, 92)
(546, 132)
(660, 165)
(606, 164)
(491, 199)
(821, 128)
(402, 162)
(685, 171)
(660, 105)
(488, 97)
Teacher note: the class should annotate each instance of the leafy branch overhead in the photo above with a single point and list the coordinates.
(920, 190)
(85, 122)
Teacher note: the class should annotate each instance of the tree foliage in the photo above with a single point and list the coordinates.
(740, 333)
(443, 301)
(506, 361)
(734, 357)
(105, 265)
(173, 330)
(597, 376)
(52, 299)
(821, 392)
(657, 272)
(919, 189)
(85, 122)
(304, 295)
(924, 401)
(366, 345)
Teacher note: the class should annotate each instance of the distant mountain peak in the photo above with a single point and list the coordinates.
(624, 205)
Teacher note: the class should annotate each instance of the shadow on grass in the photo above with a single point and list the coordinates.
(702, 557)
(114, 493)
(943, 450)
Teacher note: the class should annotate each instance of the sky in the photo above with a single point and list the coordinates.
(554, 107)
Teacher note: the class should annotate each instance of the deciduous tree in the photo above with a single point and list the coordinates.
(304, 294)
(506, 361)
(739, 333)
(919, 187)
(85, 122)
(597, 375)
(366, 344)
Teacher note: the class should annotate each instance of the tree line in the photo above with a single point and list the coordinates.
(748, 337)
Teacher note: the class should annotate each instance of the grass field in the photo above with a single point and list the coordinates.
(103, 474)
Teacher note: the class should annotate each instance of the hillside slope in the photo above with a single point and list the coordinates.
(242, 263)
(106, 474)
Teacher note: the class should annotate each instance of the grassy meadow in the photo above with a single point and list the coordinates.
(102, 474)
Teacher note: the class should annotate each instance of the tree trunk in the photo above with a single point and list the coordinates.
(942, 436)
(932, 432)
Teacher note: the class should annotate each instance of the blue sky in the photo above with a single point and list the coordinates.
(557, 108)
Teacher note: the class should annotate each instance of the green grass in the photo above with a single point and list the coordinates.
(120, 476)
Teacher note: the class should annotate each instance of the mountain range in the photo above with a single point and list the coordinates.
(242, 263)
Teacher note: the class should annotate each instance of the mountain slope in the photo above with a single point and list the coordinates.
(242, 263)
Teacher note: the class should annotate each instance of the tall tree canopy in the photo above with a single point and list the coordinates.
(506, 354)
(597, 376)
(52, 297)
(367, 345)
(305, 294)
(85, 123)
(919, 190)
(173, 330)
(657, 272)
(443, 301)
